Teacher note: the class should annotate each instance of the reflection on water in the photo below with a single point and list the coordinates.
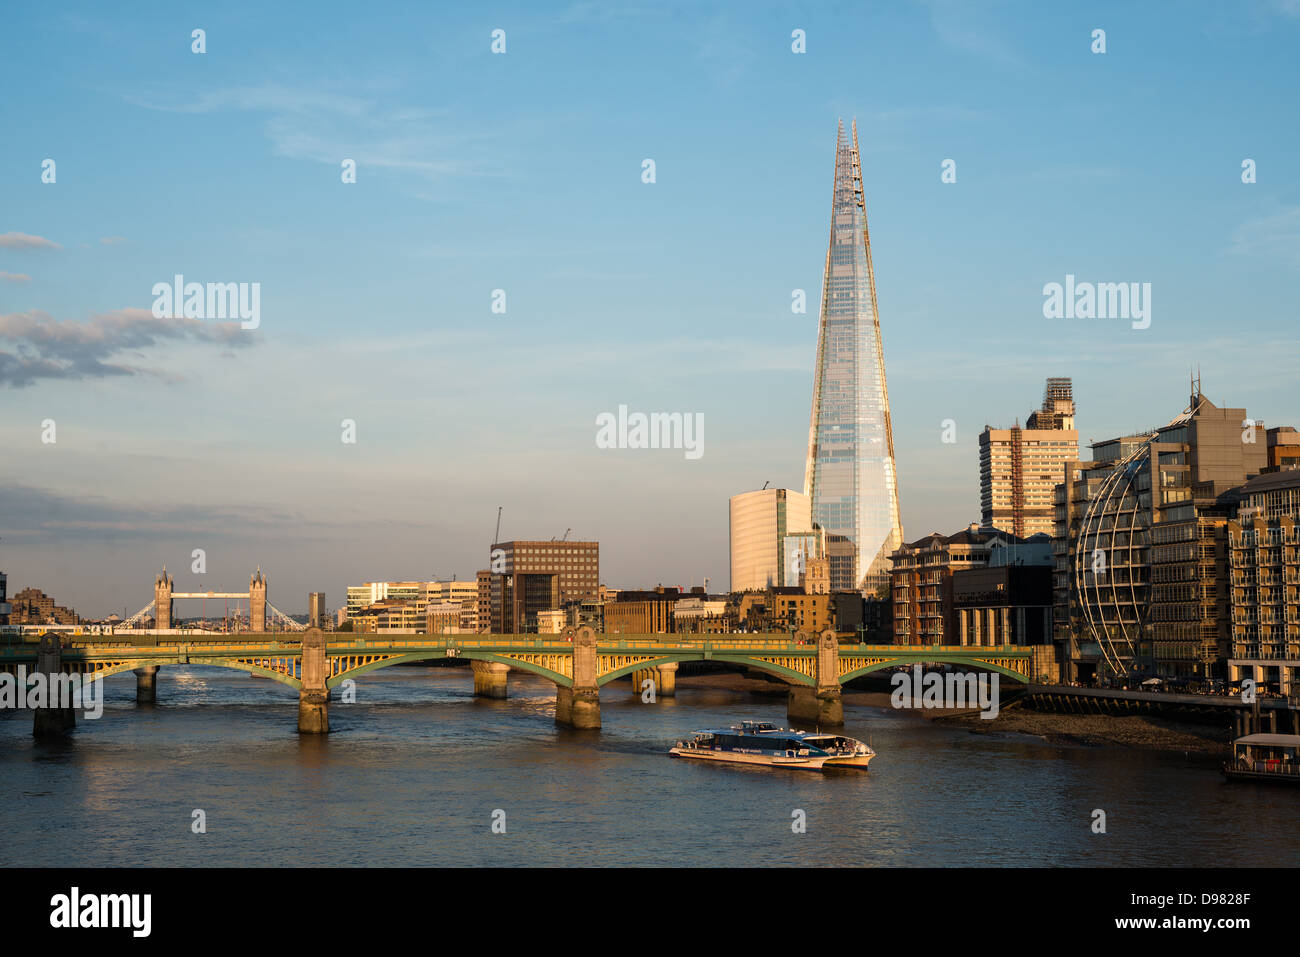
(415, 768)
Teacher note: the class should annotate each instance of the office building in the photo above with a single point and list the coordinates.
(362, 596)
(642, 612)
(766, 529)
(531, 576)
(1283, 449)
(317, 617)
(849, 474)
(1140, 580)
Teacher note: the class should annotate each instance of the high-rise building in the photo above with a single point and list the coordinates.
(763, 524)
(1020, 468)
(849, 475)
(528, 577)
(315, 609)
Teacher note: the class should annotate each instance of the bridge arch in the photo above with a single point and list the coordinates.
(121, 667)
(642, 665)
(788, 675)
(414, 656)
(973, 664)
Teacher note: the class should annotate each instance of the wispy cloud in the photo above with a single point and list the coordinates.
(46, 348)
(327, 127)
(965, 26)
(15, 277)
(111, 240)
(37, 515)
(25, 241)
(1273, 237)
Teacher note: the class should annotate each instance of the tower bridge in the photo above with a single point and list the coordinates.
(260, 611)
(580, 663)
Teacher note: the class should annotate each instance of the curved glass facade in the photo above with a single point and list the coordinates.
(850, 474)
(1111, 583)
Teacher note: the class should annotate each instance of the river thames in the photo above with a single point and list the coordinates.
(415, 769)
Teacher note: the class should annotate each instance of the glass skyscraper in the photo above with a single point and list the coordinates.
(850, 474)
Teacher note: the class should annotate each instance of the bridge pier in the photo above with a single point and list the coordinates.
(823, 704)
(50, 721)
(146, 687)
(666, 683)
(664, 677)
(313, 696)
(489, 679)
(821, 708)
(579, 706)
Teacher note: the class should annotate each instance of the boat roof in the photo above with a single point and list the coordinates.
(1285, 740)
(790, 732)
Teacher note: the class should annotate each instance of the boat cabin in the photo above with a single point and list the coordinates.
(1267, 753)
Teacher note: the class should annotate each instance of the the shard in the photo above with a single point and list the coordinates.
(850, 475)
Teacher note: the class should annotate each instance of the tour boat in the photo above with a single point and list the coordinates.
(757, 742)
(1265, 757)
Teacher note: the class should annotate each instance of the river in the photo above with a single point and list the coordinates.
(416, 768)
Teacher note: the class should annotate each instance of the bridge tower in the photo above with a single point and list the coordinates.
(257, 601)
(162, 600)
(821, 705)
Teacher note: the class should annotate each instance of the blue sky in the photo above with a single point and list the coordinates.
(522, 172)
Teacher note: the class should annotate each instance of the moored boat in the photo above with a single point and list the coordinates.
(755, 742)
(1265, 757)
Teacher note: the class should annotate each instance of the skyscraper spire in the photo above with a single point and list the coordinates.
(850, 474)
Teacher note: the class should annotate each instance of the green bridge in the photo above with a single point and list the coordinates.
(579, 662)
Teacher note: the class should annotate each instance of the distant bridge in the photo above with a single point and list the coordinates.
(579, 662)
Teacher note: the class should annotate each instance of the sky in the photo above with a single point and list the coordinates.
(523, 171)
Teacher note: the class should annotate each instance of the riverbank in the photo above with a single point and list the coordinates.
(1144, 732)
(1141, 732)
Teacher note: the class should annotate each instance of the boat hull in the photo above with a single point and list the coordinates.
(857, 762)
(1266, 777)
(763, 760)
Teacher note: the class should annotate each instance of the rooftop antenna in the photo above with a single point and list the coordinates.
(496, 538)
(765, 485)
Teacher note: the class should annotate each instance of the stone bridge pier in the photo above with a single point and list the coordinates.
(50, 721)
(146, 684)
(664, 677)
(490, 679)
(314, 696)
(579, 706)
(822, 705)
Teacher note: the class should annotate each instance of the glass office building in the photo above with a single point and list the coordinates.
(850, 476)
